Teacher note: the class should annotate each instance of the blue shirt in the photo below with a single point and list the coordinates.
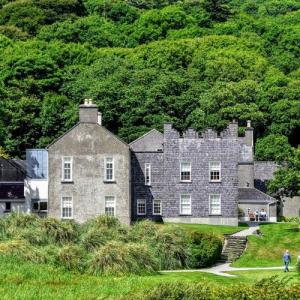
(286, 257)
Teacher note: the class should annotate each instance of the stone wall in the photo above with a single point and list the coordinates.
(89, 144)
(263, 171)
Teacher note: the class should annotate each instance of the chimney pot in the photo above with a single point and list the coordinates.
(248, 123)
(88, 112)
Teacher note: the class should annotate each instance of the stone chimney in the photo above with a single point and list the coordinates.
(249, 134)
(88, 112)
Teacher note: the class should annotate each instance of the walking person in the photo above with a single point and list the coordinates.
(287, 260)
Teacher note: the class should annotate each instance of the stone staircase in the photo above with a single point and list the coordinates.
(233, 248)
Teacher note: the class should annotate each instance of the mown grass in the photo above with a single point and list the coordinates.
(25, 280)
(219, 230)
(268, 249)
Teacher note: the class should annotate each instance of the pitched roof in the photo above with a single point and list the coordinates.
(150, 141)
(253, 195)
(77, 124)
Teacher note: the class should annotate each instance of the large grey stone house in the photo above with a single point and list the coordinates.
(189, 178)
(89, 171)
(205, 179)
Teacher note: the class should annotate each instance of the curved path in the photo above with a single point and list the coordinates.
(221, 269)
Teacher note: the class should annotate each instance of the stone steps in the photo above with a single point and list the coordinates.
(233, 248)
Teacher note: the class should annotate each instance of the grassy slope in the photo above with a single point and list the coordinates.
(216, 229)
(23, 280)
(268, 249)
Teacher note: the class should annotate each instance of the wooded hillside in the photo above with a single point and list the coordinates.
(198, 63)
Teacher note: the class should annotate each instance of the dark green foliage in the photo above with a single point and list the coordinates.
(287, 178)
(196, 63)
(206, 249)
(273, 147)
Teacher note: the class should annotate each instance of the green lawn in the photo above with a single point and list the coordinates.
(216, 229)
(23, 280)
(268, 249)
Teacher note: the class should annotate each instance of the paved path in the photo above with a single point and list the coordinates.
(222, 269)
(249, 231)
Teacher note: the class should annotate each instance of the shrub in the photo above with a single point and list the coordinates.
(95, 238)
(21, 220)
(267, 289)
(60, 231)
(71, 257)
(143, 231)
(35, 236)
(206, 249)
(117, 258)
(22, 250)
(101, 222)
(172, 247)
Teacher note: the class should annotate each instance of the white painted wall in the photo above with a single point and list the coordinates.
(35, 189)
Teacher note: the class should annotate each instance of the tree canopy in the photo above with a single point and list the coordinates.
(198, 63)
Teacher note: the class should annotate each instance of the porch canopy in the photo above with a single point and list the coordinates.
(251, 200)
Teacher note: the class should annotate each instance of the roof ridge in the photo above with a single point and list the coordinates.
(145, 134)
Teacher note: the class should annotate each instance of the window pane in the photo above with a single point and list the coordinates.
(185, 169)
(141, 207)
(215, 204)
(67, 207)
(185, 204)
(215, 171)
(148, 174)
(109, 168)
(110, 205)
(67, 168)
(157, 207)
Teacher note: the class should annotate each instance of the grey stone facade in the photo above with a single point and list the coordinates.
(89, 145)
(166, 152)
(166, 184)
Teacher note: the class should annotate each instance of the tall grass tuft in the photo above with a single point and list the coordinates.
(72, 257)
(118, 258)
(23, 250)
(173, 247)
(60, 232)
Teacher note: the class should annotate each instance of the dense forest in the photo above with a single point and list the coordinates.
(198, 63)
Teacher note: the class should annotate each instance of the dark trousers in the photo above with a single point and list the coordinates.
(286, 266)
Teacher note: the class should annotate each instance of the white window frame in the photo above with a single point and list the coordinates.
(105, 168)
(63, 168)
(214, 168)
(113, 198)
(160, 207)
(190, 204)
(70, 206)
(210, 205)
(190, 168)
(147, 169)
(142, 201)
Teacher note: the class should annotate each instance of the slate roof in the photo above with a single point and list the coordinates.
(12, 191)
(253, 195)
